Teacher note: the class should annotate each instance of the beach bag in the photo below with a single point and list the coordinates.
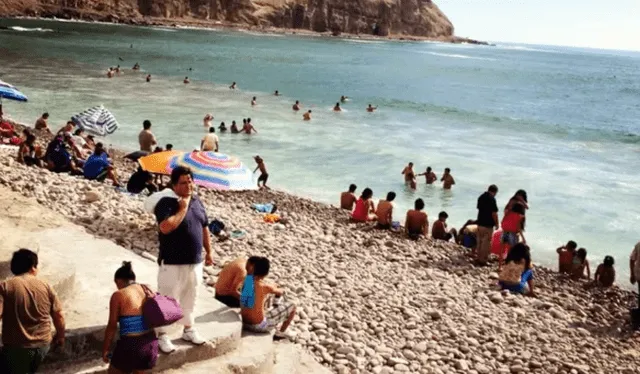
(160, 310)
(635, 318)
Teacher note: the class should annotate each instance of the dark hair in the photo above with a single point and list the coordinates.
(419, 204)
(297, 101)
(391, 195)
(582, 254)
(233, 122)
(249, 120)
(429, 168)
(367, 193)
(221, 124)
(78, 132)
(169, 147)
(518, 253)
(71, 123)
(261, 267)
(157, 149)
(179, 172)
(253, 259)
(212, 129)
(411, 164)
(352, 188)
(45, 115)
(244, 120)
(146, 124)
(608, 261)
(30, 138)
(23, 260)
(493, 188)
(337, 104)
(572, 245)
(309, 111)
(447, 170)
(522, 194)
(254, 98)
(518, 208)
(125, 272)
(443, 214)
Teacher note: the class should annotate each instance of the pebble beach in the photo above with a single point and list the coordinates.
(372, 301)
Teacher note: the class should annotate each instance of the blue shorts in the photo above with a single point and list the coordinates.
(520, 287)
(510, 238)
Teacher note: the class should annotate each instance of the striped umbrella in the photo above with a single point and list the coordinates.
(8, 91)
(97, 121)
(215, 170)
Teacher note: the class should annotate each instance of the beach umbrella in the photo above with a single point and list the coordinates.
(97, 121)
(8, 91)
(215, 170)
(158, 162)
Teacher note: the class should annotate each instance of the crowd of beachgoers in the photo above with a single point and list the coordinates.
(458, 307)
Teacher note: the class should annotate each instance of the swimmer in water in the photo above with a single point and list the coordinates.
(296, 106)
(429, 175)
(344, 99)
(207, 121)
(118, 69)
(136, 66)
(233, 86)
(110, 73)
(276, 93)
(370, 108)
(222, 127)
(186, 80)
(248, 127)
(253, 101)
(234, 128)
(409, 175)
(307, 116)
(149, 78)
(337, 108)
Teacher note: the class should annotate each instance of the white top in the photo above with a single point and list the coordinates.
(209, 142)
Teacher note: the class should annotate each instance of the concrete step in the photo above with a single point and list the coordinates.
(293, 359)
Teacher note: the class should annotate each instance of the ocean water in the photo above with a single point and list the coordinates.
(561, 123)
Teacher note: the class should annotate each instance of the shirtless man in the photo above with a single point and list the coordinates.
(276, 93)
(384, 212)
(337, 108)
(210, 142)
(409, 175)
(253, 101)
(429, 175)
(248, 127)
(233, 86)
(307, 116)
(234, 128)
(440, 230)
(146, 138)
(370, 108)
(417, 222)
(148, 78)
(186, 80)
(41, 123)
(296, 106)
(447, 179)
(344, 99)
(263, 172)
(348, 198)
(230, 280)
(110, 73)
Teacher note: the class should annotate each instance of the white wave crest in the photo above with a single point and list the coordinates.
(26, 29)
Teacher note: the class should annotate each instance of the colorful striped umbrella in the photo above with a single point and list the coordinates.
(215, 170)
(158, 162)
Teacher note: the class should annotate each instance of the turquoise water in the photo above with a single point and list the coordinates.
(561, 123)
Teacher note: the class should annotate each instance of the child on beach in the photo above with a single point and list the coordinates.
(512, 227)
(517, 272)
(252, 302)
(565, 257)
(580, 263)
(263, 172)
(365, 209)
(605, 273)
(447, 179)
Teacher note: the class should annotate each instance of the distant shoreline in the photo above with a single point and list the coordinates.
(181, 23)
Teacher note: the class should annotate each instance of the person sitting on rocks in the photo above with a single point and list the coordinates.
(231, 278)
(41, 123)
(384, 212)
(605, 273)
(440, 231)
(348, 198)
(58, 159)
(417, 221)
(98, 166)
(468, 234)
(252, 300)
(517, 273)
(141, 180)
(27, 306)
(580, 264)
(137, 347)
(28, 153)
(565, 257)
(364, 210)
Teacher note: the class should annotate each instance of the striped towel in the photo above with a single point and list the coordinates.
(97, 121)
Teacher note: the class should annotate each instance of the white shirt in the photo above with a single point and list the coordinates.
(210, 142)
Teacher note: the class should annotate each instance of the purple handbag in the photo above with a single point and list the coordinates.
(160, 310)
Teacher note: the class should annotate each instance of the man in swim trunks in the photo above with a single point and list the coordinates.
(429, 175)
(371, 109)
(384, 212)
(348, 198)
(264, 176)
(307, 116)
(231, 278)
(337, 108)
(296, 106)
(41, 123)
(440, 230)
(146, 138)
(417, 222)
(447, 179)
(409, 175)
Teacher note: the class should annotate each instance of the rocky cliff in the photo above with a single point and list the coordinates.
(378, 17)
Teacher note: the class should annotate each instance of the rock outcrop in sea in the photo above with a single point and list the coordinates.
(372, 17)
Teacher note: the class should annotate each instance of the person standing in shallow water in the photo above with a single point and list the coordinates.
(307, 116)
(348, 198)
(447, 179)
(429, 175)
(137, 347)
(296, 106)
(146, 138)
(409, 175)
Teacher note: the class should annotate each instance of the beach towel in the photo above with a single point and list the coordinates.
(151, 201)
(247, 297)
(264, 208)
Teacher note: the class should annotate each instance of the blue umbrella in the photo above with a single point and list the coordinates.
(8, 91)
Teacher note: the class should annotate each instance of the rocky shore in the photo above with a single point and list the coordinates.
(371, 301)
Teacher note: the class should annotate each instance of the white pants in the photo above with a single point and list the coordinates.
(181, 282)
